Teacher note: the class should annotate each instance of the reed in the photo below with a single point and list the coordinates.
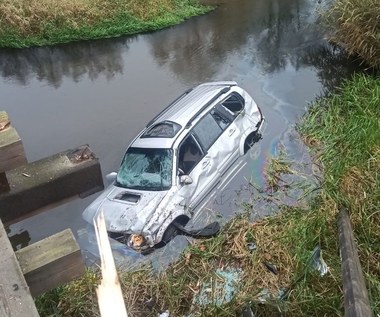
(355, 24)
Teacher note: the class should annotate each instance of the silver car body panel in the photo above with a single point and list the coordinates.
(151, 212)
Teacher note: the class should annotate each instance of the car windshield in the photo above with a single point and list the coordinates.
(146, 169)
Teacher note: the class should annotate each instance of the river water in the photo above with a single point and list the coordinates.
(102, 93)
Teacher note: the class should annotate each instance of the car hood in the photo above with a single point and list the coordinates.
(125, 210)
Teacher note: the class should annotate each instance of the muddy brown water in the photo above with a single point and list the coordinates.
(104, 92)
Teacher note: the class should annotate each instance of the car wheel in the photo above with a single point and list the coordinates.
(171, 231)
(169, 234)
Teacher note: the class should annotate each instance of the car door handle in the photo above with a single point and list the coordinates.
(231, 131)
(205, 164)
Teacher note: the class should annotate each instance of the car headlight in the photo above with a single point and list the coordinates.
(138, 242)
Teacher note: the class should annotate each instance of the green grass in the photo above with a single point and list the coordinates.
(41, 24)
(345, 131)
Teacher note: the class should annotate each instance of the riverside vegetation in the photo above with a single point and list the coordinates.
(25, 23)
(343, 131)
(355, 24)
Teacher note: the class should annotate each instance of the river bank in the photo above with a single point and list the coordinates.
(37, 23)
(270, 260)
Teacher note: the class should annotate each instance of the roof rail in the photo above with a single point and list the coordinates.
(221, 92)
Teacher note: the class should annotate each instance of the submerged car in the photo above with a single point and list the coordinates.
(176, 161)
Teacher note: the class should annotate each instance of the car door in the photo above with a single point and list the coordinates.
(191, 162)
(215, 135)
(227, 146)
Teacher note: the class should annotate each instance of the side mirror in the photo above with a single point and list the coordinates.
(111, 177)
(185, 180)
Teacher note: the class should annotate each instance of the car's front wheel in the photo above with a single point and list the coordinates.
(171, 231)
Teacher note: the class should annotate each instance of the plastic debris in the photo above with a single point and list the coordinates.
(164, 314)
(282, 293)
(251, 246)
(316, 261)
(263, 296)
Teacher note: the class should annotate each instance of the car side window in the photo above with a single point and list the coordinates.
(207, 131)
(234, 104)
(189, 155)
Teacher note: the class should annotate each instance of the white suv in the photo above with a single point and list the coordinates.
(176, 161)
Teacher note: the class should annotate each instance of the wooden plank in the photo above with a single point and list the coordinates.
(356, 302)
(51, 262)
(50, 181)
(15, 298)
(12, 152)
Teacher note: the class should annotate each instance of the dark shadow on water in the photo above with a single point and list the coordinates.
(18, 240)
(333, 65)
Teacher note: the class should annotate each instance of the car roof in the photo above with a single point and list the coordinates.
(183, 111)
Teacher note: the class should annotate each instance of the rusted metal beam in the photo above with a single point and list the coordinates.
(15, 298)
(50, 181)
(51, 262)
(356, 302)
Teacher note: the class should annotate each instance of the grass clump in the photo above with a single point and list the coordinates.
(355, 24)
(346, 128)
(179, 287)
(30, 22)
(276, 168)
(74, 299)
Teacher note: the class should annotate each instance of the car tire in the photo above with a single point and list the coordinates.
(169, 234)
(171, 231)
